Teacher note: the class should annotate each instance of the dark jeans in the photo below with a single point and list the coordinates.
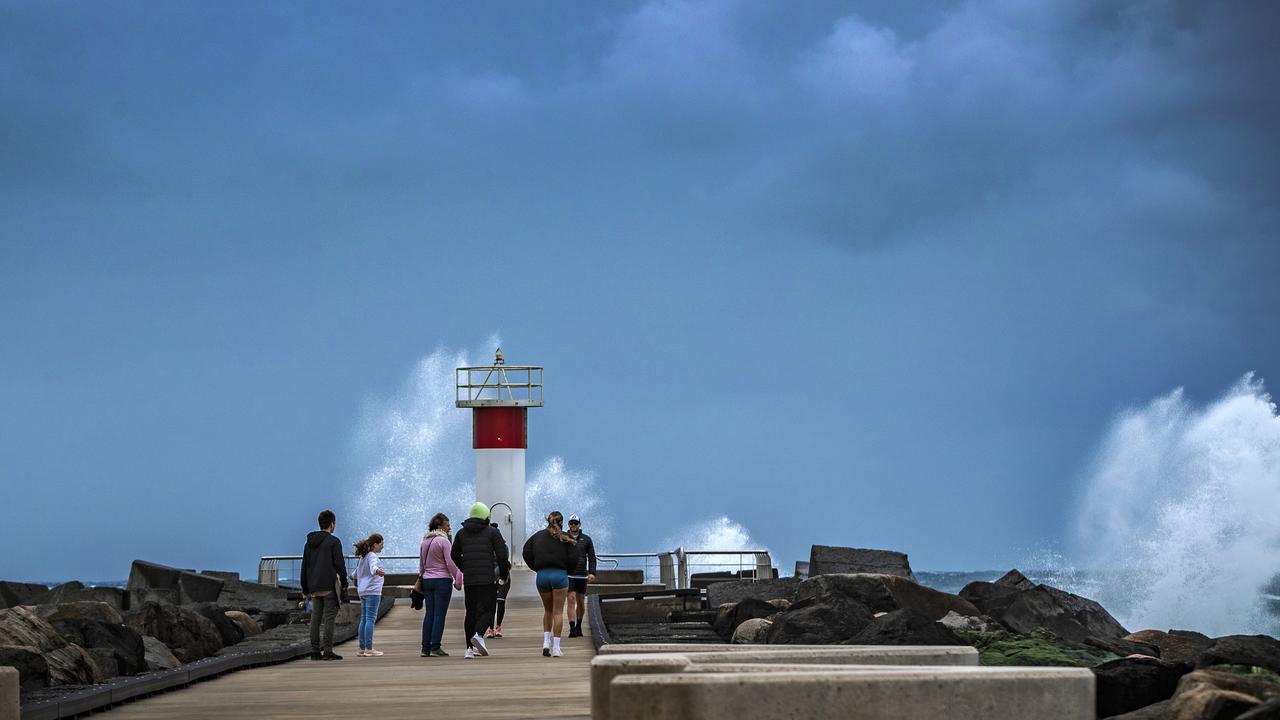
(435, 603)
(479, 600)
(324, 609)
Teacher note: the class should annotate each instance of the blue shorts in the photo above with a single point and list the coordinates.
(552, 579)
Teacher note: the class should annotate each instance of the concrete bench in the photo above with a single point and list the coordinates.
(604, 668)
(858, 693)
(10, 701)
(912, 654)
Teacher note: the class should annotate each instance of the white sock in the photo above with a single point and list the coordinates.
(546, 640)
(557, 643)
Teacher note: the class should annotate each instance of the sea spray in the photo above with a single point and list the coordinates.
(1182, 511)
(719, 533)
(555, 486)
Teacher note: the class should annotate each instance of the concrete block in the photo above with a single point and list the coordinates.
(826, 559)
(604, 668)
(10, 700)
(994, 693)
(863, 654)
(738, 590)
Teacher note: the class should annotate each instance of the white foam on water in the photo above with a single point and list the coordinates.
(718, 533)
(555, 486)
(1182, 512)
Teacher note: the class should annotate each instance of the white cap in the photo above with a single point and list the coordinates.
(574, 518)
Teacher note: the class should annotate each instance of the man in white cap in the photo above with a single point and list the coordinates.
(584, 571)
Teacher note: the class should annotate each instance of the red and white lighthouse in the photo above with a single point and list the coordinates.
(500, 396)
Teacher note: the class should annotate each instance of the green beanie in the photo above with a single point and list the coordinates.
(479, 510)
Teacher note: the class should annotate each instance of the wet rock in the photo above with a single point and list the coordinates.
(1015, 580)
(248, 626)
(1175, 645)
(731, 615)
(1131, 683)
(812, 622)
(1067, 615)
(753, 631)
(1258, 650)
(122, 643)
(1123, 647)
(105, 659)
(83, 610)
(75, 591)
(33, 669)
(973, 624)
(1213, 694)
(990, 599)
(158, 655)
(68, 664)
(885, 593)
(160, 583)
(905, 627)
(13, 594)
(1269, 710)
(253, 598)
(827, 559)
(187, 633)
(229, 632)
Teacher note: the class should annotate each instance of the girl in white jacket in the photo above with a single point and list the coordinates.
(369, 579)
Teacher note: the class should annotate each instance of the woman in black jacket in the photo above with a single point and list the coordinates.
(550, 552)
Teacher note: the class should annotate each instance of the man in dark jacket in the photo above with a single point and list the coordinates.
(584, 571)
(481, 554)
(324, 582)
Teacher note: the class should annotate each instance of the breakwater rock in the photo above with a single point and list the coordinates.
(71, 635)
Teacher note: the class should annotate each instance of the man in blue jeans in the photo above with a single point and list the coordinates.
(322, 568)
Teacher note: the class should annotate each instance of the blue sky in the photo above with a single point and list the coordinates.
(854, 273)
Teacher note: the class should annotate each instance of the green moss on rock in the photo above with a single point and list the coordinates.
(1252, 671)
(1038, 647)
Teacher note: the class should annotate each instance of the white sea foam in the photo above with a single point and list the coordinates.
(1182, 509)
(555, 486)
(719, 533)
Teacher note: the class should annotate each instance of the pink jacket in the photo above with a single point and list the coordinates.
(434, 560)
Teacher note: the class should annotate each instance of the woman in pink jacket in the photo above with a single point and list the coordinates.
(440, 577)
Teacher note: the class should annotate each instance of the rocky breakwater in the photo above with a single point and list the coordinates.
(1150, 674)
(71, 636)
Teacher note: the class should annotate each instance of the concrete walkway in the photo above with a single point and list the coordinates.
(515, 681)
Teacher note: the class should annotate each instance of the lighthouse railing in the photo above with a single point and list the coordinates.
(676, 569)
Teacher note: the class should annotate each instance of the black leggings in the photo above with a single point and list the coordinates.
(501, 602)
(479, 600)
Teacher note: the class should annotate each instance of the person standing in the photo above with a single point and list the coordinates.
(583, 571)
(499, 600)
(439, 577)
(481, 553)
(550, 553)
(369, 581)
(324, 582)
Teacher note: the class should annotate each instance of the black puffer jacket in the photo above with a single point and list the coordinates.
(584, 556)
(542, 551)
(322, 563)
(478, 549)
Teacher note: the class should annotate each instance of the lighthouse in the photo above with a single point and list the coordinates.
(499, 396)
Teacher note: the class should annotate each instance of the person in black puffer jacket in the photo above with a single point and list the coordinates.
(481, 554)
(551, 553)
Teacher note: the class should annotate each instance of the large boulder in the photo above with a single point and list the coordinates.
(152, 582)
(1175, 645)
(228, 630)
(1257, 650)
(1067, 615)
(68, 663)
(827, 559)
(971, 624)
(812, 622)
(1155, 711)
(885, 593)
(187, 633)
(1214, 695)
(992, 598)
(84, 610)
(750, 632)
(731, 615)
(75, 591)
(767, 589)
(248, 626)
(121, 642)
(1131, 683)
(905, 627)
(1123, 648)
(1269, 710)
(253, 598)
(33, 669)
(158, 655)
(13, 594)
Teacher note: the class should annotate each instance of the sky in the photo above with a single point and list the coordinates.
(874, 273)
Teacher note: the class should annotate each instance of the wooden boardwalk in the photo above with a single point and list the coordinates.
(515, 681)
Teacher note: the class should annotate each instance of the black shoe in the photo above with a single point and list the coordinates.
(575, 632)
(439, 652)
(331, 655)
(316, 656)
(546, 652)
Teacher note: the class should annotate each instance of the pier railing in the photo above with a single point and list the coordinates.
(673, 569)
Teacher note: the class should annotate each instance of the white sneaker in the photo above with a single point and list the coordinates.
(555, 652)
(468, 654)
(477, 642)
